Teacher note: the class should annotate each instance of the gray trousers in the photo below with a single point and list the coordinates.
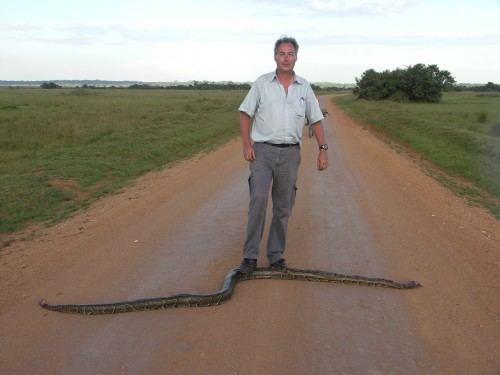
(277, 167)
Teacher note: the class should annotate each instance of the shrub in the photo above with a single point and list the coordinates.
(50, 85)
(482, 117)
(416, 83)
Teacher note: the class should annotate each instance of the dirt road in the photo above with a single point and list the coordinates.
(373, 212)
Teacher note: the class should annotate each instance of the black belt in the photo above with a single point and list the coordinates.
(280, 144)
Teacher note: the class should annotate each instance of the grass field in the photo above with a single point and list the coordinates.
(62, 149)
(460, 135)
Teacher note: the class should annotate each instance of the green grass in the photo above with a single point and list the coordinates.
(460, 135)
(62, 149)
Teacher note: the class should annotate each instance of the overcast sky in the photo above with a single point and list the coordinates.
(153, 40)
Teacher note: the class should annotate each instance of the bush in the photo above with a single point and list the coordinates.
(490, 86)
(420, 82)
(482, 117)
(50, 85)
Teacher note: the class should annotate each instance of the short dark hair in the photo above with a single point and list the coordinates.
(286, 39)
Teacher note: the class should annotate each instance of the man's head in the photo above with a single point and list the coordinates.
(285, 54)
(286, 39)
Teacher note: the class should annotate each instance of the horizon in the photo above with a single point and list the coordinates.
(3, 82)
(232, 41)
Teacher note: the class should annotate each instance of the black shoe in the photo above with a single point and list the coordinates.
(248, 266)
(280, 265)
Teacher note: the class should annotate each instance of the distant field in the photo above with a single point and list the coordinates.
(62, 149)
(461, 135)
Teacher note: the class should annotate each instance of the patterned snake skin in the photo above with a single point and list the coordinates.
(224, 294)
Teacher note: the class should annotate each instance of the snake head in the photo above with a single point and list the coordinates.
(414, 284)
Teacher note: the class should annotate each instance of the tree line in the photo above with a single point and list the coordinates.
(196, 85)
(419, 82)
(489, 87)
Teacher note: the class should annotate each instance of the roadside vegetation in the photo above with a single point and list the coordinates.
(62, 149)
(460, 135)
(419, 83)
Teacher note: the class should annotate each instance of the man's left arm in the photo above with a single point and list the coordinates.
(319, 133)
(315, 114)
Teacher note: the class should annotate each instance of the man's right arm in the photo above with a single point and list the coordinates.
(245, 126)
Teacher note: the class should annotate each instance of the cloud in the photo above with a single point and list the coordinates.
(124, 35)
(234, 39)
(465, 40)
(92, 34)
(340, 8)
(361, 7)
(119, 34)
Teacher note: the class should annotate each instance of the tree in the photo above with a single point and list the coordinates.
(490, 86)
(416, 83)
(370, 86)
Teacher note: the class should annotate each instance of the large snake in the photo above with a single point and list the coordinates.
(232, 278)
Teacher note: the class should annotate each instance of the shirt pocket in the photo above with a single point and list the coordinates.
(299, 107)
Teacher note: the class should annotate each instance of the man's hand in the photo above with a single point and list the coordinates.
(248, 152)
(322, 160)
(245, 126)
(319, 133)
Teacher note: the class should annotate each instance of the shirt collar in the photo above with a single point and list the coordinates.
(296, 78)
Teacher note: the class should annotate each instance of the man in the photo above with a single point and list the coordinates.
(272, 117)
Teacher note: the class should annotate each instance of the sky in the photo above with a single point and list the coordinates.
(233, 40)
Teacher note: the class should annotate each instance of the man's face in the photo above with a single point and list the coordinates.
(285, 57)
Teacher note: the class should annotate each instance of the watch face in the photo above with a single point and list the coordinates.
(324, 147)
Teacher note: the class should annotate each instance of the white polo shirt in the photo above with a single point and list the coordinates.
(278, 117)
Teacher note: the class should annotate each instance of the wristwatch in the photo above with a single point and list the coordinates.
(324, 146)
